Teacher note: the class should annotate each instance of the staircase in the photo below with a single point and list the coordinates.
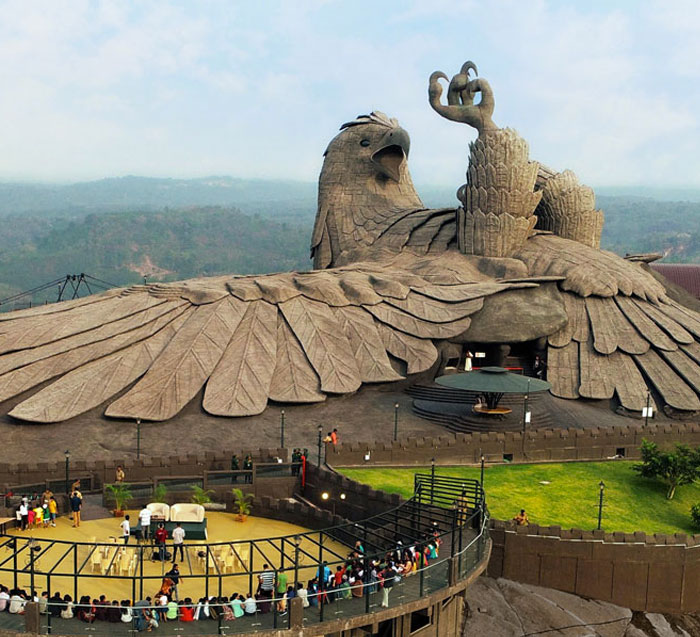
(453, 408)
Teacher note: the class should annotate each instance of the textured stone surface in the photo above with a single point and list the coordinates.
(518, 315)
(393, 288)
(502, 608)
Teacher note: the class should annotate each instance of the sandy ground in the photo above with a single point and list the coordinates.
(220, 527)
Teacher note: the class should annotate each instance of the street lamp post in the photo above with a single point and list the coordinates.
(320, 433)
(282, 429)
(647, 411)
(432, 479)
(67, 454)
(601, 484)
(482, 473)
(527, 414)
(138, 438)
(396, 421)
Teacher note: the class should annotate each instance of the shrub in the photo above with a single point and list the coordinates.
(695, 514)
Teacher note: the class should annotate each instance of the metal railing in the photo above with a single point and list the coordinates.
(440, 533)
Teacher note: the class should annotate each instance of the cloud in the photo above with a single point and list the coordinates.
(185, 89)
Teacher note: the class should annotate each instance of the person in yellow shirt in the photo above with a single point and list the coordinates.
(521, 519)
(53, 510)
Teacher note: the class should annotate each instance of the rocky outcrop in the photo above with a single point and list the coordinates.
(503, 608)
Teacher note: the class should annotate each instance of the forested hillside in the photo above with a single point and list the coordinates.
(168, 245)
(121, 229)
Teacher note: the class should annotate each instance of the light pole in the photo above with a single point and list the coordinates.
(396, 421)
(482, 474)
(601, 484)
(527, 414)
(282, 429)
(432, 479)
(647, 411)
(320, 432)
(67, 454)
(138, 438)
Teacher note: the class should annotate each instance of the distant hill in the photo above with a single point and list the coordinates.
(120, 229)
(286, 198)
(165, 245)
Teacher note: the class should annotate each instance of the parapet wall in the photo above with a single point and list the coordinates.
(136, 470)
(360, 500)
(540, 445)
(655, 573)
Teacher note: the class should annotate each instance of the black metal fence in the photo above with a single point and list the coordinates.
(443, 527)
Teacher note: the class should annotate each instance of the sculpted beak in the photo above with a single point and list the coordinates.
(392, 152)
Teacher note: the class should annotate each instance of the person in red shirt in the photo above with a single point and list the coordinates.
(334, 437)
(160, 538)
(187, 611)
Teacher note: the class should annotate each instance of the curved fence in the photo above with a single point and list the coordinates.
(438, 535)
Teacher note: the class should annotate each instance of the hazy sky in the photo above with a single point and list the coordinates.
(256, 89)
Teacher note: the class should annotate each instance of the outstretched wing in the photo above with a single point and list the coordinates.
(147, 351)
(624, 336)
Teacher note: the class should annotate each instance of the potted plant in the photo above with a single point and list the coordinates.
(160, 493)
(201, 496)
(121, 493)
(242, 504)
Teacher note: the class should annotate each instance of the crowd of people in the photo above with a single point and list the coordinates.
(37, 511)
(274, 592)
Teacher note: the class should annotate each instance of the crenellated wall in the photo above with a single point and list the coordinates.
(540, 445)
(136, 470)
(646, 572)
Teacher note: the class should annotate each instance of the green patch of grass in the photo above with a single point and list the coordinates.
(632, 503)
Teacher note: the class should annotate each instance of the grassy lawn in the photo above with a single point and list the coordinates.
(632, 503)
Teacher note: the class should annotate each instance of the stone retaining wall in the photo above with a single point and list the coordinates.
(540, 445)
(655, 573)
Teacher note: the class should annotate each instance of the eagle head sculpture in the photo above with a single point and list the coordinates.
(365, 168)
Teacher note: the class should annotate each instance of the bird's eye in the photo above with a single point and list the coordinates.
(364, 142)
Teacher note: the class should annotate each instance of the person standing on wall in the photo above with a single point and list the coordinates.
(119, 474)
(248, 466)
(234, 467)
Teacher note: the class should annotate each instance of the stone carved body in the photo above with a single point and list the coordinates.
(394, 285)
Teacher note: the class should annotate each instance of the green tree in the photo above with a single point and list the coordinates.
(675, 468)
(695, 514)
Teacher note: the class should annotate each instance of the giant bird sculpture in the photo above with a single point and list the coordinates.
(395, 286)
